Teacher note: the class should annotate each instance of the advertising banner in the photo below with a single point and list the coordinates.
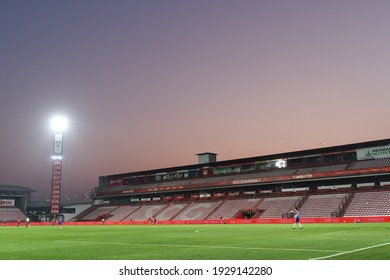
(7, 202)
(373, 153)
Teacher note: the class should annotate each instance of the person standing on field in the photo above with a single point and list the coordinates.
(59, 223)
(297, 218)
(27, 222)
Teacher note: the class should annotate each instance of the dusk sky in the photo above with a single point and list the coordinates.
(148, 84)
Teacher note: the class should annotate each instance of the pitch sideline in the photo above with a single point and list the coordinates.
(195, 246)
(352, 251)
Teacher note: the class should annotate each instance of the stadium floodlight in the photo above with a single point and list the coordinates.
(59, 124)
(56, 157)
(281, 163)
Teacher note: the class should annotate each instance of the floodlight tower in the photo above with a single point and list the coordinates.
(59, 124)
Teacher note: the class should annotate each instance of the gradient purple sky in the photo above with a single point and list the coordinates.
(148, 84)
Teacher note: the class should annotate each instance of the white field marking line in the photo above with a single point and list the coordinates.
(195, 246)
(348, 233)
(353, 251)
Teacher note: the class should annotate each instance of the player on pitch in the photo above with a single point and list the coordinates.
(297, 218)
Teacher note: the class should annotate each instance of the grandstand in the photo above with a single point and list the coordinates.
(13, 202)
(198, 210)
(323, 205)
(340, 181)
(278, 206)
(231, 207)
(372, 203)
(171, 210)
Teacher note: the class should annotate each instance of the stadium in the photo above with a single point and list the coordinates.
(13, 202)
(348, 183)
(236, 209)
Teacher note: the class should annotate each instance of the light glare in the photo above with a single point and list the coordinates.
(59, 124)
(56, 157)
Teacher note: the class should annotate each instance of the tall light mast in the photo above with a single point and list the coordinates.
(59, 124)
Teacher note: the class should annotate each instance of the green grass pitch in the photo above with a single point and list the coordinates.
(369, 241)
